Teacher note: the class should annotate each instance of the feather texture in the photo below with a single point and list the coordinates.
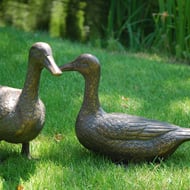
(121, 137)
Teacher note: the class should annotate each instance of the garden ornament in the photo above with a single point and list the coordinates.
(121, 137)
(22, 113)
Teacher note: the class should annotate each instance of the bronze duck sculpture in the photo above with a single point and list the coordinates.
(121, 137)
(22, 113)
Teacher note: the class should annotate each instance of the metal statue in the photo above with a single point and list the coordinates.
(22, 113)
(120, 136)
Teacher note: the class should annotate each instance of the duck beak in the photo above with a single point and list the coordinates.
(51, 66)
(67, 67)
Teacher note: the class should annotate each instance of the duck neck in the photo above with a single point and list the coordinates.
(31, 86)
(91, 102)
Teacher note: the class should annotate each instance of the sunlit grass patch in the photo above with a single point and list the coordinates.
(180, 111)
(182, 106)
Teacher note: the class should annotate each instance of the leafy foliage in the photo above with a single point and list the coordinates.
(172, 28)
(159, 26)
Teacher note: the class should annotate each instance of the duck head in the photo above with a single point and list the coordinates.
(86, 64)
(41, 54)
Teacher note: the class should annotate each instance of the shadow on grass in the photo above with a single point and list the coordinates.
(14, 168)
(72, 153)
(75, 155)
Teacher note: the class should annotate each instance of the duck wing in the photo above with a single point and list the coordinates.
(127, 127)
(8, 99)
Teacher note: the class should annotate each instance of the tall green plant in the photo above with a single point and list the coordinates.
(182, 29)
(57, 25)
(16, 13)
(172, 27)
(75, 20)
(127, 21)
(96, 13)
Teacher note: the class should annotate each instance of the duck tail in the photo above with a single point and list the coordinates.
(183, 133)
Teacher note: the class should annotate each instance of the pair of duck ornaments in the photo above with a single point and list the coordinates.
(22, 113)
(119, 136)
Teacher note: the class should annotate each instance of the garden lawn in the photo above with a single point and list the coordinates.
(138, 84)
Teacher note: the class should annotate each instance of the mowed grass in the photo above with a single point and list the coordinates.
(138, 84)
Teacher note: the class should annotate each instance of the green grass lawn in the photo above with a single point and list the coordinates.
(138, 84)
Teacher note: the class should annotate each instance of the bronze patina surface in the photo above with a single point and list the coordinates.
(119, 136)
(22, 113)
